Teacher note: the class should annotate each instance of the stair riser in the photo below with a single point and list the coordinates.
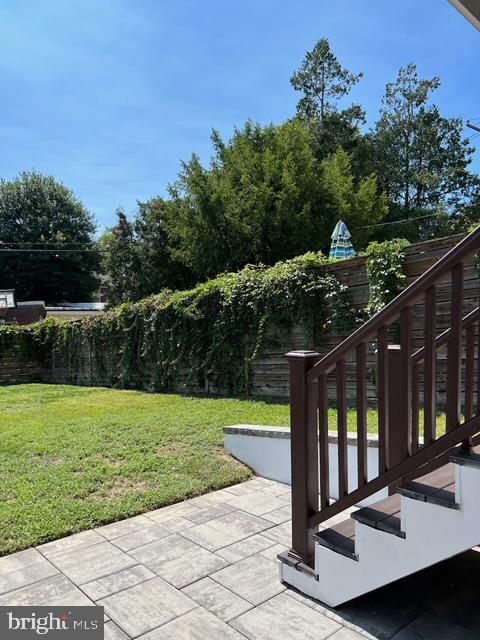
(433, 533)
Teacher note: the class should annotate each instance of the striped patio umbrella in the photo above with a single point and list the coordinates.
(341, 246)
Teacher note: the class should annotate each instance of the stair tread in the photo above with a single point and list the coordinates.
(340, 538)
(472, 459)
(436, 487)
(383, 515)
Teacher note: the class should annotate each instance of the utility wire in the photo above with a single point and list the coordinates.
(54, 250)
(383, 224)
(44, 244)
(473, 126)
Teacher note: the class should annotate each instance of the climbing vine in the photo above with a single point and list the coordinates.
(209, 333)
(385, 272)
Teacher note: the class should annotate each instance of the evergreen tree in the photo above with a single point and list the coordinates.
(323, 82)
(266, 198)
(158, 269)
(420, 156)
(357, 202)
(121, 261)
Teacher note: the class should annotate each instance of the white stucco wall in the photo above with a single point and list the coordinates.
(266, 450)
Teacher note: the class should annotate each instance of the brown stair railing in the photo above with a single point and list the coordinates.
(401, 374)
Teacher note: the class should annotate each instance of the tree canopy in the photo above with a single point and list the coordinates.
(269, 193)
(41, 223)
(421, 157)
(265, 198)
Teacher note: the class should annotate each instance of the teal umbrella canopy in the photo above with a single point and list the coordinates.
(341, 246)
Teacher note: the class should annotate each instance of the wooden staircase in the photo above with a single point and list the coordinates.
(433, 510)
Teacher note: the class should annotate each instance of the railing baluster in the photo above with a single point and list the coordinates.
(478, 358)
(382, 391)
(454, 349)
(323, 441)
(342, 429)
(405, 437)
(430, 368)
(415, 407)
(361, 377)
(469, 371)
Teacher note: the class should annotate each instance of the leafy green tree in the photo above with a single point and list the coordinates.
(46, 221)
(158, 269)
(265, 198)
(357, 202)
(420, 156)
(260, 201)
(138, 260)
(121, 261)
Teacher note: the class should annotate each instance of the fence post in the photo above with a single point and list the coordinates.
(304, 453)
(398, 435)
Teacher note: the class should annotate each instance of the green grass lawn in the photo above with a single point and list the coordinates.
(75, 457)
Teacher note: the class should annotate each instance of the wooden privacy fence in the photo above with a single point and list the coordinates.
(406, 381)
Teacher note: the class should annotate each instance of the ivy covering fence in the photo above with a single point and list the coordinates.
(212, 331)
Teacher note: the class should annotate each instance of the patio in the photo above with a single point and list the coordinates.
(207, 568)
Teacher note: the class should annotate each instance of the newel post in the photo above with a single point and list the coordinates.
(304, 453)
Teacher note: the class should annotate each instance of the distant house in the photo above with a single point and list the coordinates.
(75, 310)
(13, 312)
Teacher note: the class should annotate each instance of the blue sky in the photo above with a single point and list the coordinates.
(109, 95)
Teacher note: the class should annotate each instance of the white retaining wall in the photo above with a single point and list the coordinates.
(266, 450)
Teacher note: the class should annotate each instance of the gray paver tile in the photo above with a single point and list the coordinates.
(281, 534)
(226, 530)
(283, 618)
(179, 510)
(28, 575)
(347, 634)
(195, 625)
(240, 489)
(177, 560)
(121, 528)
(112, 632)
(141, 537)
(177, 524)
(279, 490)
(255, 579)
(211, 512)
(244, 548)
(53, 591)
(271, 553)
(257, 503)
(103, 587)
(284, 514)
(90, 563)
(431, 627)
(77, 541)
(209, 499)
(218, 600)
(372, 615)
(146, 606)
(20, 560)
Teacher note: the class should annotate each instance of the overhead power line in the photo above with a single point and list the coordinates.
(383, 224)
(470, 125)
(45, 244)
(2, 250)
